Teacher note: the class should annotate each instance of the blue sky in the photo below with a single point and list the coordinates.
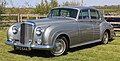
(33, 3)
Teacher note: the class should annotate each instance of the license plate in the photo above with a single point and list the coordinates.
(22, 48)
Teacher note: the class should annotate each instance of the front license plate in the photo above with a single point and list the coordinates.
(22, 48)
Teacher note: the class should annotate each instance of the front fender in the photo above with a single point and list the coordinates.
(10, 34)
(56, 35)
(53, 32)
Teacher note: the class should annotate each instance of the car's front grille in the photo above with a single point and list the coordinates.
(26, 33)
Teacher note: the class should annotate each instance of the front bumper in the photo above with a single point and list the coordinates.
(30, 46)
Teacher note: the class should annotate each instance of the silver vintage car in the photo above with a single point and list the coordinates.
(65, 27)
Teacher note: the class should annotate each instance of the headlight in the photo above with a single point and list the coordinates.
(41, 29)
(38, 31)
(14, 29)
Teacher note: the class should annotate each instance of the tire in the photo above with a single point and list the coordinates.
(60, 46)
(105, 38)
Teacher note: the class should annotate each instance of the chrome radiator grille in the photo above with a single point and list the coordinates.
(26, 33)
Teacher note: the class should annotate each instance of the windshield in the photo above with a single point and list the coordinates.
(63, 12)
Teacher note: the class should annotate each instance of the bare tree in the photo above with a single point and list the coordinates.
(2, 5)
(28, 5)
(11, 2)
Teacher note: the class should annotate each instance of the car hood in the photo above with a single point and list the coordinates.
(49, 21)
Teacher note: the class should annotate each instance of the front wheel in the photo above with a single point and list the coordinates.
(105, 38)
(60, 46)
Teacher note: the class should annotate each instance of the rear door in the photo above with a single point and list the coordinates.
(95, 18)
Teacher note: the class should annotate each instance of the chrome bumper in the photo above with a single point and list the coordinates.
(31, 46)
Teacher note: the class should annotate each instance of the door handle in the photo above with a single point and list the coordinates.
(97, 23)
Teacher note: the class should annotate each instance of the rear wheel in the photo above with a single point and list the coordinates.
(60, 46)
(105, 38)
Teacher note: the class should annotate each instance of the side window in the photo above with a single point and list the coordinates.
(94, 14)
(56, 13)
(84, 14)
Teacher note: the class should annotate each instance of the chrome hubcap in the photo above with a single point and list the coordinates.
(105, 38)
(59, 47)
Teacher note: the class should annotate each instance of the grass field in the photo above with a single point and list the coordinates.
(92, 52)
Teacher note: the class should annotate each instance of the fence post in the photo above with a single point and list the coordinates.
(18, 17)
(36, 17)
(28, 17)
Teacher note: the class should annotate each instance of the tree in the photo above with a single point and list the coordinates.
(40, 8)
(65, 4)
(45, 6)
(2, 7)
(71, 3)
(53, 3)
(1, 11)
(3, 3)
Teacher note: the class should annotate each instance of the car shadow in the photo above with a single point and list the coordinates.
(87, 46)
(46, 54)
(33, 53)
(84, 47)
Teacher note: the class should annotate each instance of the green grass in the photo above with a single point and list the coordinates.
(117, 32)
(92, 52)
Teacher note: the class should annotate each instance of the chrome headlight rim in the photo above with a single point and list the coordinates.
(38, 31)
(15, 29)
(41, 29)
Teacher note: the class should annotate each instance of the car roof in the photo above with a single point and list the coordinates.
(76, 7)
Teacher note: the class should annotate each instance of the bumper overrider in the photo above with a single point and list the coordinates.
(30, 46)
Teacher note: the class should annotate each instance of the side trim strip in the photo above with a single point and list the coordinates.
(85, 43)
